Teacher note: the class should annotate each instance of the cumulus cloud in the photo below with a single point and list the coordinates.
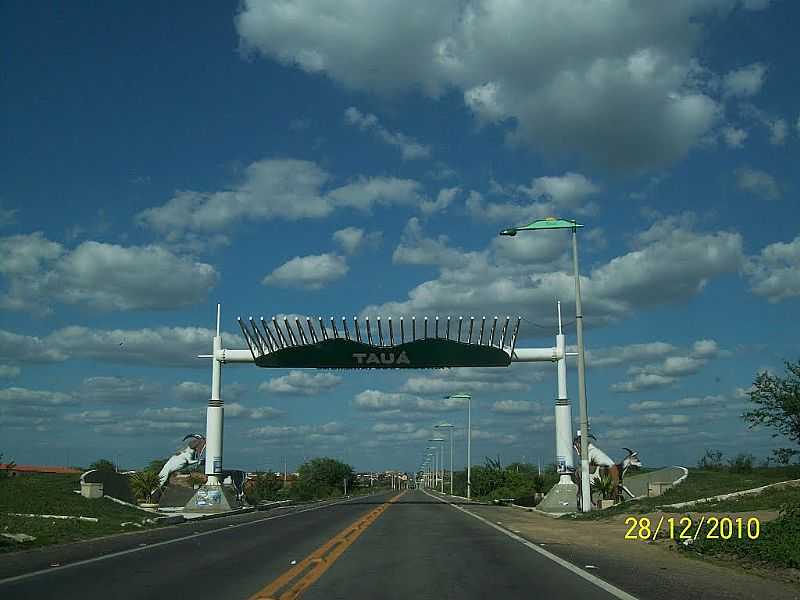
(98, 275)
(417, 249)
(353, 239)
(375, 400)
(775, 272)
(746, 81)
(9, 371)
(545, 196)
(624, 355)
(113, 390)
(614, 81)
(160, 346)
(443, 200)
(670, 263)
(757, 182)
(273, 189)
(301, 383)
(410, 149)
(28, 397)
(312, 272)
(734, 137)
(513, 407)
(667, 371)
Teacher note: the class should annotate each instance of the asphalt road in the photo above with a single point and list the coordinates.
(415, 546)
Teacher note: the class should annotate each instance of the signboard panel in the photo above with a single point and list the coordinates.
(429, 353)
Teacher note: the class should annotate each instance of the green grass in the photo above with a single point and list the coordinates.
(54, 495)
(776, 545)
(701, 483)
(770, 499)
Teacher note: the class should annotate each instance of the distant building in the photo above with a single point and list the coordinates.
(28, 469)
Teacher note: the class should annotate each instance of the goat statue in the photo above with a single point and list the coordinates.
(601, 464)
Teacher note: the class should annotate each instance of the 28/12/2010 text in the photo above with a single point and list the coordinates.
(685, 528)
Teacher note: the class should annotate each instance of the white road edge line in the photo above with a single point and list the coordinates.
(192, 536)
(613, 590)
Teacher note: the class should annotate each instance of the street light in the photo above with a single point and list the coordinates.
(441, 459)
(435, 464)
(469, 438)
(450, 428)
(554, 223)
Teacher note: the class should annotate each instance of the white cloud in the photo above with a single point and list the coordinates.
(119, 390)
(161, 346)
(375, 400)
(643, 381)
(615, 81)
(776, 126)
(416, 249)
(646, 405)
(28, 397)
(672, 263)
(272, 189)
(514, 407)
(623, 355)
(757, 182)
(746, 81)
(312, 272)
(330, 432)
(8, 216)
(705, 349)
(92, 417)
(775, 272)
(410, 149)
(192, 391)
(99, 276)
(443, 200)
(734, 137)
(301, 383)
(9, 371)
(546, 196)
(354, 239)
(436, 385)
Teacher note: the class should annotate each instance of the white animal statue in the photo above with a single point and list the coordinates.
(185, 457)
(601, 464)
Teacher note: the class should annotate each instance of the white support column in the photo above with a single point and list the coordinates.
(563, 411)
(215, 413)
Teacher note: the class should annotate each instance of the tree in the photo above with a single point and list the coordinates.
(265, 486)
(6, 470)
(103, 465)
(322, 477)
(777, 402)
(156, 465)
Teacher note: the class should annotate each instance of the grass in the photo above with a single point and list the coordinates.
(54, 495)
(701, 483)
(770, 499)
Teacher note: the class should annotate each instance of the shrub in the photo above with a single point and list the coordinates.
(144, 484)
(103, 465)
(742, 463)
(265, 486)
(711, 461)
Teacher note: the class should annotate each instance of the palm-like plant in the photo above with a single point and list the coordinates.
(604, 486)
(144, 484)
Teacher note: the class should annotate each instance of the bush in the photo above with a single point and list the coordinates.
(265, 486)
(742, 463)
(5, 472)
(103, 465)
(144, 484)
(711, 461)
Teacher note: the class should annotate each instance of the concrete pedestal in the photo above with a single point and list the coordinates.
(562, 498)
(212, 499)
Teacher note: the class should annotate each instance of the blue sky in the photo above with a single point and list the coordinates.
(330, 158)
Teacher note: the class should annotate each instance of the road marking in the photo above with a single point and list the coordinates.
(611, 589)
(292, 583)
(191, 536)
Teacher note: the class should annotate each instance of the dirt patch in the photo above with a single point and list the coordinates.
(645, 568)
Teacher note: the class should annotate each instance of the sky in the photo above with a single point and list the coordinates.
(359, 157)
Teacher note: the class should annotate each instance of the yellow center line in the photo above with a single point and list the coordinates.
(291, 584)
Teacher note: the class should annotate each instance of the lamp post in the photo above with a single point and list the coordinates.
(469, 439)
(434, 458)
(450, 428)
(554, 223)
(441, 460)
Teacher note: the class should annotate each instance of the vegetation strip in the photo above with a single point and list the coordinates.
(302, 575)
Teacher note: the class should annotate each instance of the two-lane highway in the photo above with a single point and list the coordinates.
(385, 546)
